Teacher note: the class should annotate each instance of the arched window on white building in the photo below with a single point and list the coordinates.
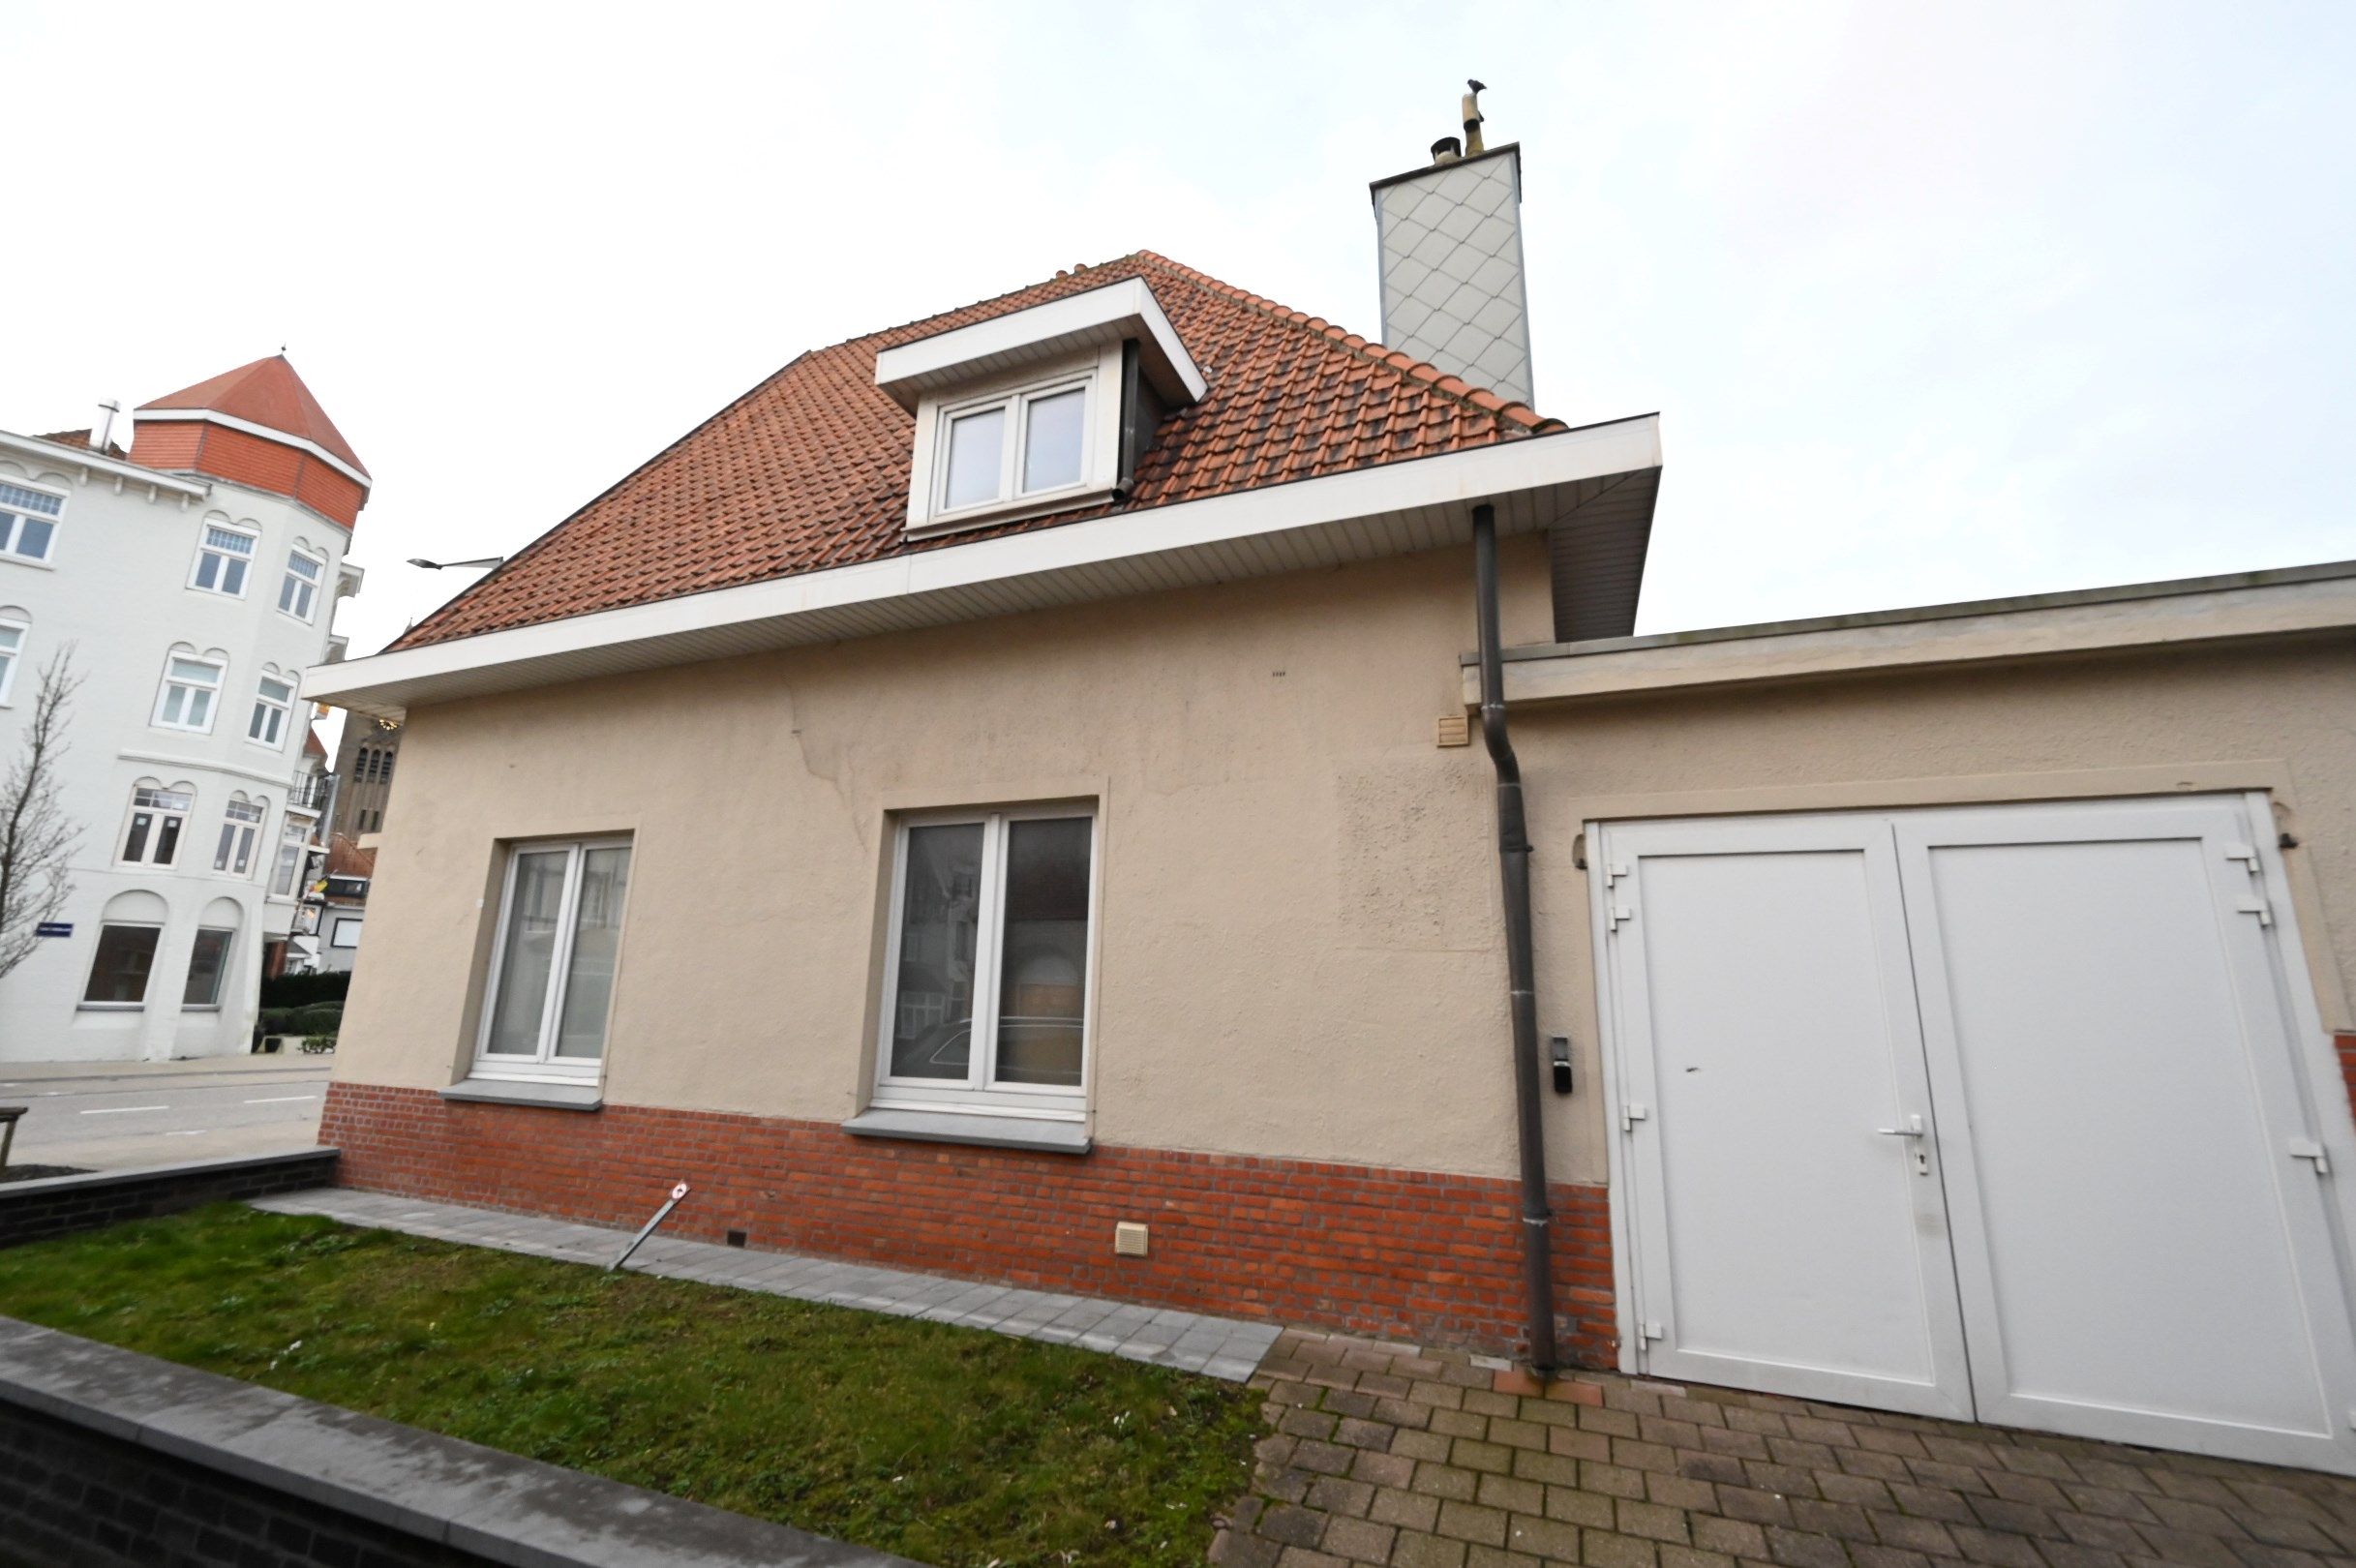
(241, 823)
(190, 690)
(208, 963)
(224, 555)
(129, 930)
(273, 709)
(153, 826)
(298, 591)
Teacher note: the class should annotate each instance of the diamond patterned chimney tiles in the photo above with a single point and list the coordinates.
(1452, 281)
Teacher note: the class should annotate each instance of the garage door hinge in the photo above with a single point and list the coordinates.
(1620, 913)
(1613, 873)
(2258, 907)
(1649, 1330)
(1630, 1115)
(2310, 1149)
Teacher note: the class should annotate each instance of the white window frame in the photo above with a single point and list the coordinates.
(206, 549)
(335, 932)
(239, 833)
(11, 653)
(221, 976)
(293, 844)
(11, 527)
(155, 836)
(1096, 373)
(171, 683)
(280, 709)
(544, 1063)
(147, 990)
(979, 1094)
(307, 591)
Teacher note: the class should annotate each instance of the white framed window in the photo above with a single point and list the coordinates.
(990, 962)
(1021, 445)
(273, 703)
(119, 969)
(151, 836)
(207, 964)
(240, 823)
(552, 959)
(298, 591)
(28, 521)
(191, 687)
(343, 931)
(1018, 447)
(13, 633)
(223, 557)
(293, 843)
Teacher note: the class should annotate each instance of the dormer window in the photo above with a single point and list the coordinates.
(1022, 445)
(1036, 411)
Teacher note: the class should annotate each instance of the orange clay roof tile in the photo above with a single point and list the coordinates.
(809, 470)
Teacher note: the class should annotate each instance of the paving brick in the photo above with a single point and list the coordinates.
(1796, 1549)
(1237, 1549)
(1483, 1401)
(2021, 1519)
(1471, 1521)
(1336, 1495)
(1290, 1525)
(1514, 1496)
(1681, 1491)
(1383, 1469)
(1361, 1540)
(1297, 1423)
(1348, 1403)
(1416, 1548)
(1323, 1459)
(1555, 1469)
(1439, 1396)
(1586, 1445)
(1421, 1445)
(1481, 1556)
(1543, 1538)
(1301, 1557)
(1354, 1433)
(1405, 1509)
(1611, 1480)
(1651, 1520)
(1995, 1548)
(1681, 1557)
(1444, 1480)
(1567, 1505)
(1515, 1434)
(1932, 1502)
(1602, 1548)
(1459, 1424)
(1755, 1507)
(1732, 1536)
(1471, 1455)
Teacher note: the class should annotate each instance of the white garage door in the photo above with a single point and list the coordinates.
(1991, 1112)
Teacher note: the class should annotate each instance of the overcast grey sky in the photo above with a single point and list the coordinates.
(1936, 301)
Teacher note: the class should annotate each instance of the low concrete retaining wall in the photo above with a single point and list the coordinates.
(115, 1460)
(61, 1205)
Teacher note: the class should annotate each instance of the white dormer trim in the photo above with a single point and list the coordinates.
(1011, 343)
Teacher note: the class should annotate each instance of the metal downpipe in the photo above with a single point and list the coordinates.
(1513, 868)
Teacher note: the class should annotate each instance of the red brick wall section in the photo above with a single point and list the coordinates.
(328, 491)
(2347, 1045)
(166, 443)
(249, 460)
(1405, 1254)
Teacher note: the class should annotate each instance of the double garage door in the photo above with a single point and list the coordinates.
(1996, 1113)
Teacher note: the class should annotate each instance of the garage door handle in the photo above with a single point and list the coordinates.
(1913, 1130)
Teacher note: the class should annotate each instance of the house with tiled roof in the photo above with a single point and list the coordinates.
(186, 581)
(1132, 788)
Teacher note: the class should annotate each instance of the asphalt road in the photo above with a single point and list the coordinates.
(104, 1116)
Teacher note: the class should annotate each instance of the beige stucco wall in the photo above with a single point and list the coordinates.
(2281, 719)
(1300, 949)
(1299, 953)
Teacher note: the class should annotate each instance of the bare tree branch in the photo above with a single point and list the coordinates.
(37, 838)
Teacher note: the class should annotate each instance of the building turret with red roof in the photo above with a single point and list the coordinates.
(257, 426)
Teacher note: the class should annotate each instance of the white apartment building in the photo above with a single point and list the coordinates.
(195, 577)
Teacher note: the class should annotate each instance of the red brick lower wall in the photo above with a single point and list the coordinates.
(1407, 1254)
(2347, 1045)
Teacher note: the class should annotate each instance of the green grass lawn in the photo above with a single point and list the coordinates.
(952, 1446)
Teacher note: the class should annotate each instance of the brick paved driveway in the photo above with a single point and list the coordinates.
(1408, 1458)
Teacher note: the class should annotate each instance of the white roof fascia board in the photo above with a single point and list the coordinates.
(282, 437)
(1118, 311)
(81, 457)
(1052, 566)
(2291, 603)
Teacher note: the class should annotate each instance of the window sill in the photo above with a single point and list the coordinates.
(576, 1097)
(992, 513)
(985, 1132)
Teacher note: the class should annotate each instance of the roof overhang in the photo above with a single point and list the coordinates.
(1537, 483)
(91, 464)
(2289, 603)
(1116, 313)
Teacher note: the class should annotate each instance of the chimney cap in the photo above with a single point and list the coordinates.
(1447, 150)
